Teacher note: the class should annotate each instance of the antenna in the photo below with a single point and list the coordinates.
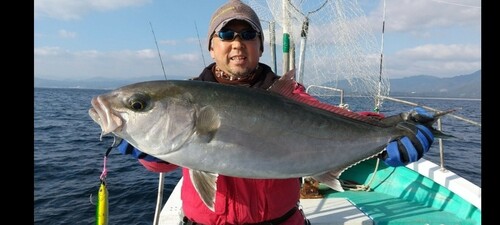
(158, 49)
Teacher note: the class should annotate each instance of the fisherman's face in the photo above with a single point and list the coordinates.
(237, 57)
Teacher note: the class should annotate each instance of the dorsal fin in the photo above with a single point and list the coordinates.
(286, 87)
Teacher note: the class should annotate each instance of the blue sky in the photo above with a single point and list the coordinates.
(113, 38)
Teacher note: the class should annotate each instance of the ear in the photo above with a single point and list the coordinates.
(212, 53)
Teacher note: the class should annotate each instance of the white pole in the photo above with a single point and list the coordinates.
(159, 199)
(303, 39)
(272, 36)
(378, 98)
(286, 37)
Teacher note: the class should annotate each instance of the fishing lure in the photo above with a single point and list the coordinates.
(102, 207)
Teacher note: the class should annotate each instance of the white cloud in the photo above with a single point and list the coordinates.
(435, 60)
(57, 63)
(146, 53)
(168, 42)
(72, 10)
(411, 15)
(66, 34)
(48, 51)
(439, 52)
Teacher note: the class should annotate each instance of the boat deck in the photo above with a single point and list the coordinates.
(348, 208)
(397, 196)
(171, 213)
(382, 208)
(333, 211)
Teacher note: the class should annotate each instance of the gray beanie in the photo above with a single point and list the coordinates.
(234, 10)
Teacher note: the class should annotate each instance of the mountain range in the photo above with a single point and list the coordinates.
(461, 86)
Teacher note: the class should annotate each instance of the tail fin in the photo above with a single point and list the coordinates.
(416, 118)
(429, 122)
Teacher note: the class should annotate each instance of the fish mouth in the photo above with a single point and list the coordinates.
(101, 114)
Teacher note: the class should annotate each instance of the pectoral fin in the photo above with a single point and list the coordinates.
(207, 123)
(205, 184)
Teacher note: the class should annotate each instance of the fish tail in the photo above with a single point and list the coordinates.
(102, 205)
(415, 118)
(437, 133)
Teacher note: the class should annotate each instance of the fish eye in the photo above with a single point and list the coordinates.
(139, 102)
(136, 105)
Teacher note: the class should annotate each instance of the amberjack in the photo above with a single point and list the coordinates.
(213, 128)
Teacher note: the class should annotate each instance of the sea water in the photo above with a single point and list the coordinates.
(68, 157)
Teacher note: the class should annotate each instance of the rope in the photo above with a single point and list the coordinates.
(104, 168)
(349, 185)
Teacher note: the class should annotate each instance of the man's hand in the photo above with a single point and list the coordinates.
(411, 148)
(127, 149)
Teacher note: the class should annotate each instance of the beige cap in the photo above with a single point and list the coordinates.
(234, 10)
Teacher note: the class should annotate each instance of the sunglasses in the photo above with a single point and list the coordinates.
(229, 35)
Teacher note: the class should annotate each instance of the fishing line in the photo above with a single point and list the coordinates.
(102, 205)
(104, 172)
(104, 169)
(457, 4)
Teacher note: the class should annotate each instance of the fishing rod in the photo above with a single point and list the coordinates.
(199, 41)
(158, 49)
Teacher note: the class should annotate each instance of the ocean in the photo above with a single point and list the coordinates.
(68, 158)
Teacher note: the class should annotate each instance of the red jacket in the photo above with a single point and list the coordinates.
(238, 200)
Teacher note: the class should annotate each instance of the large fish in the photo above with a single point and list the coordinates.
(213, 129)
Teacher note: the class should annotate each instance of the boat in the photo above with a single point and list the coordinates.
(422, 192)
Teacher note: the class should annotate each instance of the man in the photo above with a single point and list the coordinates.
(235, 42)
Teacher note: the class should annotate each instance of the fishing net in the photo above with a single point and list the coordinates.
(339, 49)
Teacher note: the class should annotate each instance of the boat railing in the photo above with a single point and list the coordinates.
(341, 93)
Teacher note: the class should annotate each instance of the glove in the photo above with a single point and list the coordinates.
(408, 149)
(127, 149)
(151, 163)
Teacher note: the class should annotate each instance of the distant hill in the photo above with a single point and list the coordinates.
(462, 86)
